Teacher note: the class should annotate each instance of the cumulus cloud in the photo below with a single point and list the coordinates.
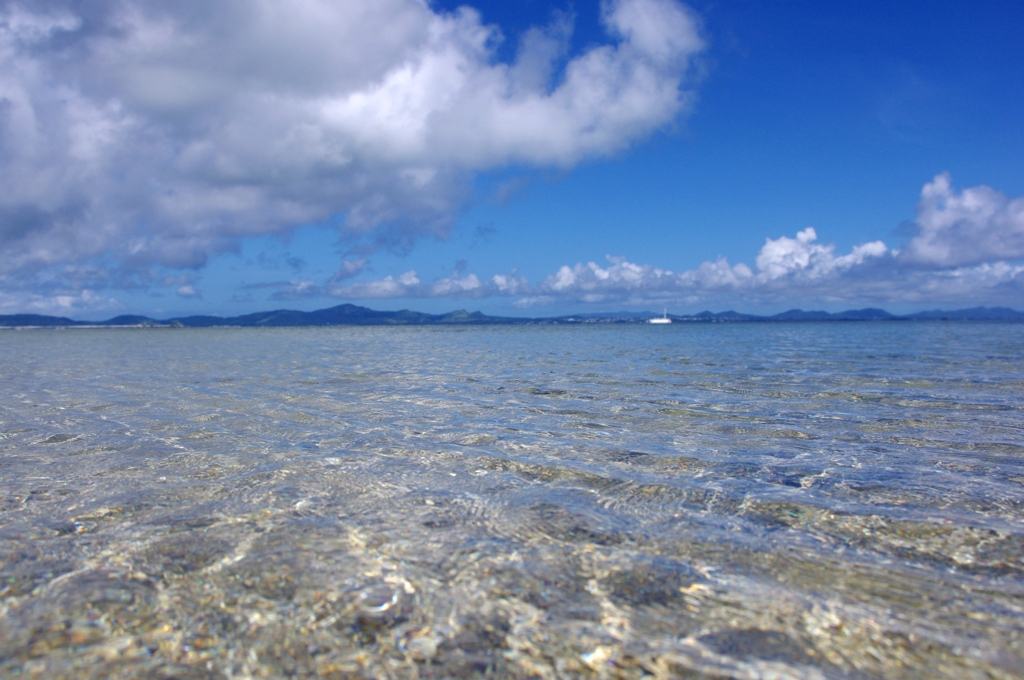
(797, 261)
(593, 281)
(781, 263)
(963, 253)
(802, 256)
(973, 226)
(790, 264)
(510, 284)
(152, 133)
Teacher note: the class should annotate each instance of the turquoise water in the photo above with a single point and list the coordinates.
(819, 500)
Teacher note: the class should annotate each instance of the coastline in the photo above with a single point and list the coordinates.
(353, 315)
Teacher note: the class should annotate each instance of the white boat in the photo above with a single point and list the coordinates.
(661, 319)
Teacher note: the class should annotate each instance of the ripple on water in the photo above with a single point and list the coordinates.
(821, 500)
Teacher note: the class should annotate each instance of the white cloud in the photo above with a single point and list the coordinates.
(791, 263)
(455, 286)
(406, 285)
(510, 284)
(717, 275)
(620, 276)
(799, 261)
(661, 31)
(976, 225)
(987, 283)
(65, 303)
(154, 133)
(809, 260)
(794, 270)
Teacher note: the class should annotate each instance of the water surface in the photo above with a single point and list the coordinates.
(808, 500)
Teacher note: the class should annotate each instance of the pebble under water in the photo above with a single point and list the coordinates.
(802, 500)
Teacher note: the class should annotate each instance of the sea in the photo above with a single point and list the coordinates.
(690, 500)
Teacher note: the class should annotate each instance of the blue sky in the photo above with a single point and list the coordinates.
(522, 158)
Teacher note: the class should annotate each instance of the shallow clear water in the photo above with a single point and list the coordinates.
(819, 500)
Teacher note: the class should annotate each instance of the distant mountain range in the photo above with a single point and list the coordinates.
(354, 315)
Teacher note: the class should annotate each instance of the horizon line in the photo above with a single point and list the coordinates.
(359, 315)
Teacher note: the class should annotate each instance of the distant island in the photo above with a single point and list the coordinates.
(354, 315)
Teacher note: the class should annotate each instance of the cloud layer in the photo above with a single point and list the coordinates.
(963, 253)
(975, 226)
(148, 133)
(137, 137)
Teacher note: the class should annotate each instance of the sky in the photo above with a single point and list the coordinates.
(518, 157)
